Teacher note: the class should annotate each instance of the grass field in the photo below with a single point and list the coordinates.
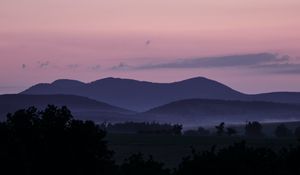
(171, 149)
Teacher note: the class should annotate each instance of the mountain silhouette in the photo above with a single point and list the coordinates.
(82, 107)
(202, 111)
(141, 96)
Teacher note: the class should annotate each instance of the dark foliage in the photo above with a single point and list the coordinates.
(52, 142)
(143, 128)
(253, 129)
(241, 159)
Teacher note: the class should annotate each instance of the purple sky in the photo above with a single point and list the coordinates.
(161, 41)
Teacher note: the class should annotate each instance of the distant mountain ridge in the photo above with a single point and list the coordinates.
(193, 111)
(142, 95)
(82, 107)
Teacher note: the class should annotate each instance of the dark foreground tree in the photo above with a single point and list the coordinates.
(236, 159)
(52, 142)
(253, 129)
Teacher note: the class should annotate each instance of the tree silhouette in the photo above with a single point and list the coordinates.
(235, 159)
(177, 129)
(253, 129)
(282, 131)
(220, 129)
(52, 142)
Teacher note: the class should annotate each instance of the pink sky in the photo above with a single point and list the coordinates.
(41, 41)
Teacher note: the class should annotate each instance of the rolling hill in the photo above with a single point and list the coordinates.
(205, 111)
(81, 107)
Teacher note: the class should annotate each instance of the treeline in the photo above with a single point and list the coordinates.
(143, 128)
(52, 142)
(251, 129)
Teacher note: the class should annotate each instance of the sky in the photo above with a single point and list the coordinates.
(250, 45)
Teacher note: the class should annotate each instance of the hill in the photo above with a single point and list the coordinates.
(81, 107)
(207, 111)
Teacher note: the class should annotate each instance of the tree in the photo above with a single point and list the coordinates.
(220, 129)
(253, 129)
(177, 129)
(231, 131)
(282, 131)
(52, 142)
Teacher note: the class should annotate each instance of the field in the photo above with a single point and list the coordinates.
(171, 149)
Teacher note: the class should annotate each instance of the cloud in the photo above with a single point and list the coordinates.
(224, 61)
(280, 68)
(266, 62)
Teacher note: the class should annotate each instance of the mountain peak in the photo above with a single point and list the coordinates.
(67, 82)
(117, 80)
(197, 79)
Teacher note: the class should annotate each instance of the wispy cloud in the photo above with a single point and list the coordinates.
(280, 68)
(224, 61)
(268, 62)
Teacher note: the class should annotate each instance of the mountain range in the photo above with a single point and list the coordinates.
(141, 96)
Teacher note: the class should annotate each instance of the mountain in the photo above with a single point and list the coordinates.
(81, 107)
(282, 97)
(202, 111)
(141, 96)
(138, 95)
